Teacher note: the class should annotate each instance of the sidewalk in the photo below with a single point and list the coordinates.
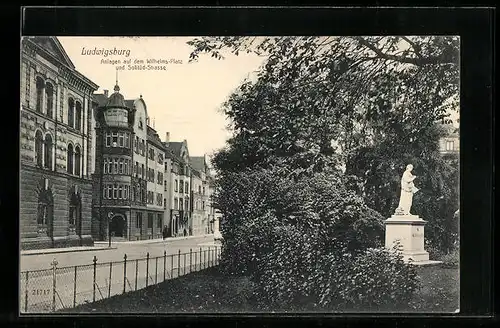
(152, 241)
(66, 250)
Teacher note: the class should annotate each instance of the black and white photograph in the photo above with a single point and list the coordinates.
(239, 174)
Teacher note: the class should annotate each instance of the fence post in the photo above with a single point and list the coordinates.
(74, 288)
(209, 257)
(196, 261)
(136, 272)
(190, 260)
(109, 287)
(184, 267)
(179, 263)
(164, 264)
(156, 270)
(95, 264)
(147, 269)
(172, 266)
(124, 272)
(54, 266)
(204, 259)
(26, 292)
(213, 257)
(200, 258)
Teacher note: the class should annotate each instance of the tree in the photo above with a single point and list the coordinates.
(351, 90)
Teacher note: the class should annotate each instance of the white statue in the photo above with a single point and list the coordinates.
(407, 190)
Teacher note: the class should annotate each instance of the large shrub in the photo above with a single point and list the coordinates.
(304, 242)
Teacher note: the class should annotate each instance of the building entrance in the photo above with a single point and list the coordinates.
(117, 226)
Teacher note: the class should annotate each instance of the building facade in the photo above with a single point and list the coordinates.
(128, 184)
(178, 209)
(204, 190)
(56, 142)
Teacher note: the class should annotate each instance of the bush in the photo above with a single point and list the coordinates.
(298, 275)
(451, 260)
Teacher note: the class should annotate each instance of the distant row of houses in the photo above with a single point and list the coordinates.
(92, 167)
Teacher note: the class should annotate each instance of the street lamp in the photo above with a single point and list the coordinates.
(110, 215)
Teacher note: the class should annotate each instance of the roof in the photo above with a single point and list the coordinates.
(175, 147)
(129, 103)
(198, 163)
(100, 98)
(54, 49)
(116, 99)
(154, 138)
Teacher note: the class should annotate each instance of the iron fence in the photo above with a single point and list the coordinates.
(59, 288)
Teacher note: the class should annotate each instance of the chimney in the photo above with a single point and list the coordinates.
(167, 137)
(106, 92)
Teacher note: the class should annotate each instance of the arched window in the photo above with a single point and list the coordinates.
(48, 151)
(39, 148)
(49, 98)
(45, 212)
(40, 85)
(78, 116)
(78, 160)
(71, 112)
(69, 159)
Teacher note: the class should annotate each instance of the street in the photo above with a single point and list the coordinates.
(133, 251)
(74, 275)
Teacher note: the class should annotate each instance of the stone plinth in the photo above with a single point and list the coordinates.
(409, 231)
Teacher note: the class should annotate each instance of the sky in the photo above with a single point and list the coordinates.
(184, 99)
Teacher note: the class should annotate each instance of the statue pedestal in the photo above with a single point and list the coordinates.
(409, 230)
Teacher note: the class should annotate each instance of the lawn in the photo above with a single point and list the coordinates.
(210, 292)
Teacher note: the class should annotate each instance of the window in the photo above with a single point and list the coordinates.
(48, 151)
(74, 210)
(450, 145)
(203, 190)
(126, 192)
(138, 221)
(115, 191)
(39, 148)
(120, 166)
(181, 187)
(164, 203)
(176, 204)
(187, 204)
(165, 184)
(110, 191)
(140, 123)
(121, 139)
(134, 193)
(143, 147)
(40, 85)
(181, 204)
(126, 167)
(159, 221)
(120, 191)
(136, 144)
(203, 206)
(176, 186)
(199, 189)
(186, 187)
(45, 211)
(49, 98)
(142, 170)
(114, 139)
(78, 116)
(115, 165)
(71, 112)
(160, 158)
(150, 220)
(78, 160)
(108, 139)
(127, 141)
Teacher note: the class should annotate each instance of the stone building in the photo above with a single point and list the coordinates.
(128, 191)
(56, 142)
(197, 199)
(199, 164)
(179, 183)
